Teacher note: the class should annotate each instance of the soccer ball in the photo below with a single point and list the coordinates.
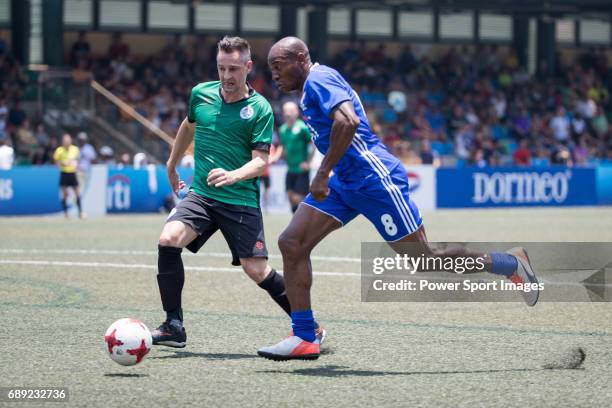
(127, 341)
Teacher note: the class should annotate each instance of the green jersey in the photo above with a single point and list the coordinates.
(296, 140)
(225, 136)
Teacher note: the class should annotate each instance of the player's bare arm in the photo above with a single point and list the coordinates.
(343, 130)
(254, 168)
(306, 164)
(278, 153)
(184, 137)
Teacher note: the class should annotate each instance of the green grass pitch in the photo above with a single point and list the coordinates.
(62, 283)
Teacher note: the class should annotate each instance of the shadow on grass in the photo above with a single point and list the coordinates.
(344, 371)
(208, 356)
(125, 375)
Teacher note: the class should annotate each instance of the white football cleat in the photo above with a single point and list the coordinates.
(524, 274)
(320, 332)
(291, 348)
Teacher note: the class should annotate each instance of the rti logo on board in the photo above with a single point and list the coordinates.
(118, 192)
(6, 189)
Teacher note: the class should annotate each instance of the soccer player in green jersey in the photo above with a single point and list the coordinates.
(232, 127)
(295, 143)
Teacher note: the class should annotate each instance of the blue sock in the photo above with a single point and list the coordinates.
(303, 325)
(503, 263)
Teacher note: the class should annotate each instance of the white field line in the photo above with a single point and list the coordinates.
(233, 270)
(147, 266)
(145, 252)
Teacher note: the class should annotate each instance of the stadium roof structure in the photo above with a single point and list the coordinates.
(507, 6)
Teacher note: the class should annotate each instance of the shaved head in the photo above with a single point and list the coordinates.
(289, 61)
(289, 47)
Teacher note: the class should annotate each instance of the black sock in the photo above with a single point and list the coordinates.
(78, 200)
(274, 284)
(64, 205)
(170, 278)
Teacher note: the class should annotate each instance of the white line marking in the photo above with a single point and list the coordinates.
(147, 252)
(150, 266)
(231, 270)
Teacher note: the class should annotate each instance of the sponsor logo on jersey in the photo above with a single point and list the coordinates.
(246, 112)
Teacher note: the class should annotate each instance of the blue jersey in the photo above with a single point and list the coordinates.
(366, 157)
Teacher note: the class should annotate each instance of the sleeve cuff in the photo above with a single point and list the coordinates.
(336, 105)
(264, 147)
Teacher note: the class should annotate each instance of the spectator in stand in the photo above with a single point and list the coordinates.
(7, 154)
(599, 123)
(581, 154)
(25, 142)
(522, 155)
(579, 126)
(403, 150)
(16, 115)
(3, 117)
(140, 160)
(560, 125)
(188, 161)
(427, 155)
(477, 158)
(561, 155)
(124, 161)
(107, 156)
(87, 157)
(80, 50)
(41, 136)
(118, 49)
(522, 124)
(407, 61)
(464, 142)
(586, 106)
(436, 120)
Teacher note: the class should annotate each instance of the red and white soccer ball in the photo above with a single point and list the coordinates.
(128, 341)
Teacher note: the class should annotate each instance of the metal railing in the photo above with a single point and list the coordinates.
(74, 101)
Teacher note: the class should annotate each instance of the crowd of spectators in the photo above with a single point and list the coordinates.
(481, 107)
(471, 105)
(15, 129)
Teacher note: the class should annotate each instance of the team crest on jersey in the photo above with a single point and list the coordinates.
(246, 112)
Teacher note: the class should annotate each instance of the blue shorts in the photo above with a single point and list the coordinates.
(385, 202)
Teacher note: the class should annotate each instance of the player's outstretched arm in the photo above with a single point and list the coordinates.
(184, 137)
(343, 130)
(253, 168)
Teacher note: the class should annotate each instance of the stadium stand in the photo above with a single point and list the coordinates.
(473, 106)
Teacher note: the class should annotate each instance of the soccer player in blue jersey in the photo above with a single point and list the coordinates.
(366, 180)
